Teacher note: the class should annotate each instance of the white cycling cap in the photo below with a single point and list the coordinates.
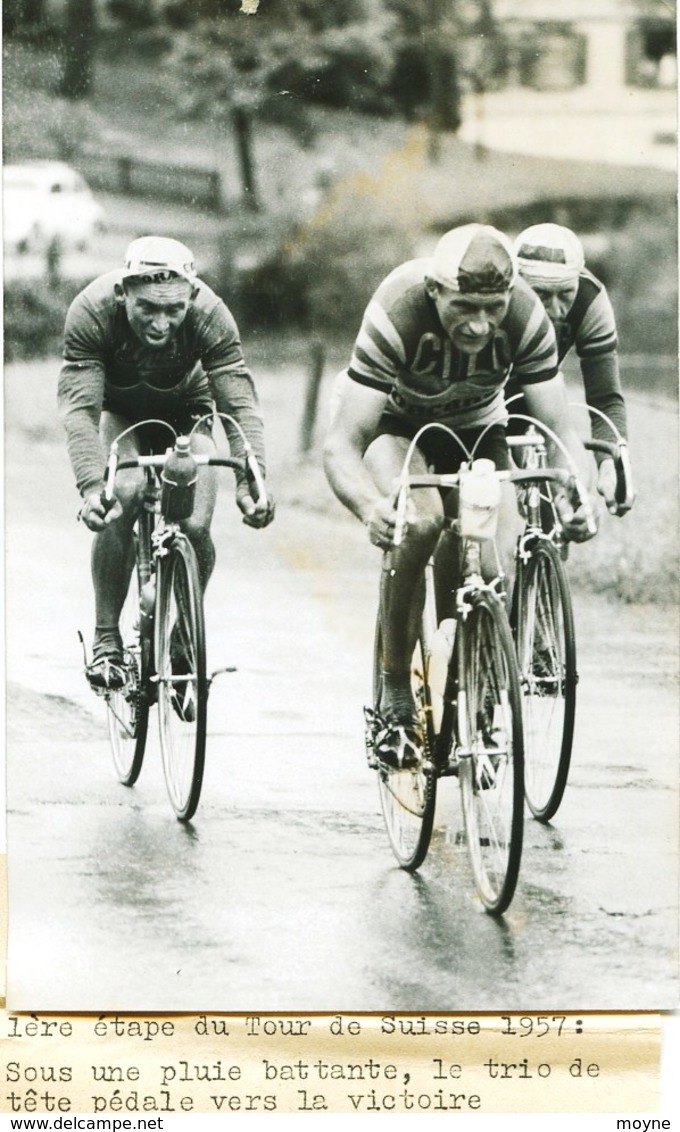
(549, 254)
(156, 256)
(474, 259)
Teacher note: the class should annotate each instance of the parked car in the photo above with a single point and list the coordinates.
(47, 202)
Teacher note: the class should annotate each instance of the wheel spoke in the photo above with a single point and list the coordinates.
(407, 797)
(182, 684)
(128, 707)
(490, 737)
(546, 653)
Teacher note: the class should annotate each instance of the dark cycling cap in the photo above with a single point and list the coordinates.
(157, 259)
(474, 259)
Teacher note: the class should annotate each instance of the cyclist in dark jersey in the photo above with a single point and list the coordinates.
(436, 343)
(150, 340)
(552, 261)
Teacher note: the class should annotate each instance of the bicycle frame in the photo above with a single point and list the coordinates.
(543, 627)
(478, 736)
(163, 623)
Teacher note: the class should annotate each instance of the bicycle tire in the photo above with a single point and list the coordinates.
(490, 752)
(408, 797)
(546, 653)
(128, 707)
(183, 693)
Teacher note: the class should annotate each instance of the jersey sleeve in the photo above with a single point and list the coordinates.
(596, 332)
(603, 391)
(219, 341)
(231, 383)
(80, 393)
(596, 345)
(379, 352)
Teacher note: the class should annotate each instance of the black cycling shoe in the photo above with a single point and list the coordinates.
(543, 671)
(107, 671)
(399, 742)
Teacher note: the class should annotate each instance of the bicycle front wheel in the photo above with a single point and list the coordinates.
(407, 797)
(490, 751)
(546, 653)
(182, 683)
(128, 707)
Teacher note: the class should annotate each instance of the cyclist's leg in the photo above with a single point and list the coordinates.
(112, 560)
(509, 528)
(402, 593)
(197, 527)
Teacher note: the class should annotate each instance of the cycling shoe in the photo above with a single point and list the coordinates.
(183, 696)
(399, 742)
(106, 673)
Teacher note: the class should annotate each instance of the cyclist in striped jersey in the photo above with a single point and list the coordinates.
(552, 261)
(436, 344)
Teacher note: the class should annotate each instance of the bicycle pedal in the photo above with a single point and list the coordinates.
(221, 671)
(371, 724)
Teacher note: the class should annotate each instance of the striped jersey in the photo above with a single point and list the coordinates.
(589, 324)
(403, 351)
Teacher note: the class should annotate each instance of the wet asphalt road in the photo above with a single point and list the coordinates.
(282, 895)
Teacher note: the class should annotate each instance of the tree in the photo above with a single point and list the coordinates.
(78, 48)
(443, 47)
(230, 67)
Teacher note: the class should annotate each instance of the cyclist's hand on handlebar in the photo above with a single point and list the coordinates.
(382, 521)
(577, 518)
(255, 514)
(607, 482)
(97, 512)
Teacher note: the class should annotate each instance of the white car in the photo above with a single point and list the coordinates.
(45, 203)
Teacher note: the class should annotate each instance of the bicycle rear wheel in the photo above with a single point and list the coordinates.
(128, 707)
(490, 750)
(407, 797)
(546, 652)
(182, 683)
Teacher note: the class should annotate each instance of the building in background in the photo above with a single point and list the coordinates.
(599, 45)
(590, 79)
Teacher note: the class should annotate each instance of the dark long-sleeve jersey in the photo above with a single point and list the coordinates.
(106, 366)
(590, 328)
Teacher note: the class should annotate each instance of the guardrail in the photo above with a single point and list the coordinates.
(134, 176)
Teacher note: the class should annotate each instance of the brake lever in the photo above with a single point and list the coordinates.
(400, 521)
(584, 502)
(255, 479)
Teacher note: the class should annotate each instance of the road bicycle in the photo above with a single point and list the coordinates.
(471, 712)
(163, 629)
(542, 618)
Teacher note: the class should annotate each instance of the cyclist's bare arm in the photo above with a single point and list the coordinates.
(357, 412)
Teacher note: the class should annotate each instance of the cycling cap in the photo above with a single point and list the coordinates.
(474, 259)
(549, 254)
(157, 259)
